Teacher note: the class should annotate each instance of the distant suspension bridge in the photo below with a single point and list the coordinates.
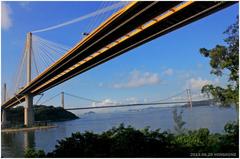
(184, 97)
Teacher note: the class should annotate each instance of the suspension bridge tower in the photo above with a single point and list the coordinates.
(189, 94)
(28, 109)
(62, 99)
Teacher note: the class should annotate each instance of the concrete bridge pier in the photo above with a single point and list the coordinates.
(4, 118)
(4, 112)
(28, 111)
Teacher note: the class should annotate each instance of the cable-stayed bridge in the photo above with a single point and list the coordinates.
(131, 26)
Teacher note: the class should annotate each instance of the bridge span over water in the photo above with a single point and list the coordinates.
(130, 27)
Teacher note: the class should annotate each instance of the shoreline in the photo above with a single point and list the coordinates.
(27, 129)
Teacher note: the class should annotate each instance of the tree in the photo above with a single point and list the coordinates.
(30, 153)
(225, 59)
(179, 123)
(124, 141)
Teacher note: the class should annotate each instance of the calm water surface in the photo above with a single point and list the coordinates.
(214, 118)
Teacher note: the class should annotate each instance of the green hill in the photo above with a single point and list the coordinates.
(41, 113)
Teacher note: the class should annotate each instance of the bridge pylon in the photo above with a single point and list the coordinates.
(62, 99)
(28, 109)
(4, 113)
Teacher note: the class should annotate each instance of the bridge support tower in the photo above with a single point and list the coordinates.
(62, 99)
(4, 118)
(189, 94)
(4, 112)
(28, 109)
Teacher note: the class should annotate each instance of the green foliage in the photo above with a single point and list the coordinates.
(198, 141)
(222, 59)
(41, 112)
(179, 123)
(230, 140)
(15, 115)
(30, 153)
(128, 142)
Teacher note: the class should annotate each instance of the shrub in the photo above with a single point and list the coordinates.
(128, 142)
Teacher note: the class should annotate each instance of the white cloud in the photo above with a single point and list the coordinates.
(194, 96)
(6, 19)
(138, 79)
(105, 102)
(197, 83)
(168, 72)
(131, 100)
(24, 3)
(100, 84)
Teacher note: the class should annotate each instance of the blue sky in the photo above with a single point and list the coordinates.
(153, 71)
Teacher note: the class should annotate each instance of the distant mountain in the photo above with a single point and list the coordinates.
(89, 113)
(134, 110)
